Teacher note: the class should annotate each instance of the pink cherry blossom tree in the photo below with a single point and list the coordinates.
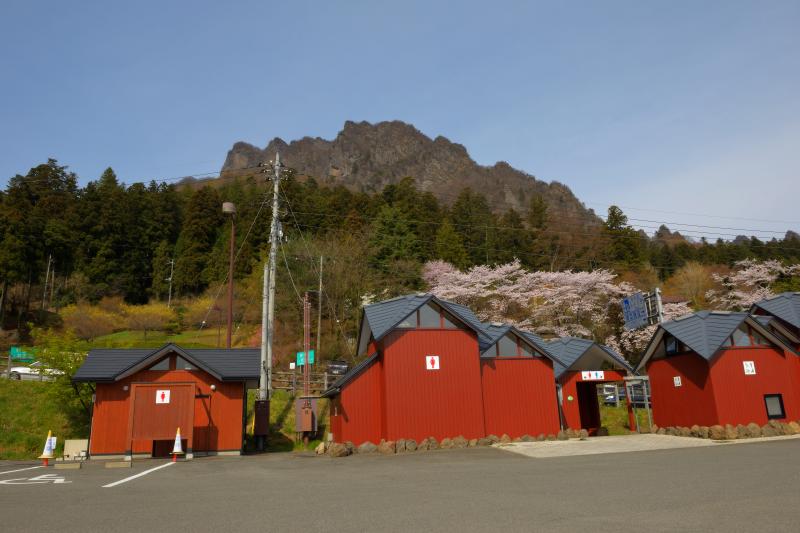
(749, 282)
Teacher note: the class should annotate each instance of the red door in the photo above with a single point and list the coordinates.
(158, 410)
(588, 406)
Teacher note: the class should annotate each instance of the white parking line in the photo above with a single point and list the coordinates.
(21, 469)
(140, 474)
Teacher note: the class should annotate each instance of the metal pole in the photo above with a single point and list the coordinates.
(319, 307)
(232, 211)
(306, 343)
(268, 300)
(171, 269)
(46, 276)
(659, 306)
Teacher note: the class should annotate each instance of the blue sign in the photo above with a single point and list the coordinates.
(301, 358)
(634, 310)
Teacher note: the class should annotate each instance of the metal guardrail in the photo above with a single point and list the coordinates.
(293, 381)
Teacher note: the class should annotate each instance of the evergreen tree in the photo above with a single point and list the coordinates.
(392, 240)
(474, 222)
(202, 222)
(449, 246)
(513, 241)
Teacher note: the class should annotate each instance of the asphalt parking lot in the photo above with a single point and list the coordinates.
(742, 487)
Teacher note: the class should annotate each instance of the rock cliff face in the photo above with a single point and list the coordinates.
(367, 157)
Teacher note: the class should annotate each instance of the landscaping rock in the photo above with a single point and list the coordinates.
(367, 447)
(484, 441)
(742, 432)
(703, 432)
(672, 431)
(684, 432)
(350, 446)
(505, 439)
(717, 432)
(411, 445)
(602, 432)
(473, 443)
(433, 444)
(337, 449)
(571, 433)
(460, 442)
(562, 435)
(386, 447)
(583, 434)
(423, 445)
(527, 438)
(446, 444)
(754, 429)
(777, 426)
(400, 446)
(550, 437)
(662, 431)
(695, 430)
(320, 449)
(793, 428)
(540, 437)
(730, 432)
(494, 438)
(768, 431)
(654, 428)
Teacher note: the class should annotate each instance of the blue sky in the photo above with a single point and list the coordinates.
(679, 111)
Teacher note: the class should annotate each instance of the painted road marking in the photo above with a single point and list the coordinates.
(44, 478)
(140, 474)
(20, 469)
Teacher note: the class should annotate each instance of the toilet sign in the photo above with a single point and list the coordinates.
(162, 396)
(593, 375)
(432, 362)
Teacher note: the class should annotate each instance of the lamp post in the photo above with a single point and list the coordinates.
(230, 209)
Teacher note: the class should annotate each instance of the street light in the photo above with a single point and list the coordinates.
(229, 208)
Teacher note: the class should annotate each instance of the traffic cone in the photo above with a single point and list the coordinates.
(177, 449)
(47, 454)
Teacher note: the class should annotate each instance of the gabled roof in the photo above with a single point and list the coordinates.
(785, 306)
(383, 317)
(334, 389)
(570, 349)
(705, 331)
(495, 331)
(113, 364)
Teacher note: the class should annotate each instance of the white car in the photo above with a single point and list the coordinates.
(34, 372)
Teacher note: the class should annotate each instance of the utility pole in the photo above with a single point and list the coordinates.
(229, 208)
(171, 263)
(46, 277)
(319, 307)
(268, 314)
(307, 361)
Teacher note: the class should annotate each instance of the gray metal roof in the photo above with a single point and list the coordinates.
(108, 364)
(495, 331)
(334, 389)
(569, 349)
(704, 331)
(785, 306)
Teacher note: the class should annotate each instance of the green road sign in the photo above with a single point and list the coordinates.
(18, 354)
(301, 358)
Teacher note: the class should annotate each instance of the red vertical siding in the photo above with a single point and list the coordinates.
(569, 387)
(358, 409)
(224, 407)
(438, 403)
(519, 396)
(740, 397)
(691, 403)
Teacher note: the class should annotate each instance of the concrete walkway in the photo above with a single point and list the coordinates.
(618, 444)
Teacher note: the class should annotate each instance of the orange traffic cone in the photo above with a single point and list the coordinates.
(47, 454)
(177, 449)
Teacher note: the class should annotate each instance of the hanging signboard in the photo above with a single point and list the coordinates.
(593, 375)
(634, 310)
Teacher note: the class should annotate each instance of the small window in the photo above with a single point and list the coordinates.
(161, 365)
(774, 403)
(507, 346)
(758, 340)
(491, 352)
(741, 338)
(524, 351)
(409, 322)
(727, 343)
(183, 364)
(450, 322)
(671, 345)
(429, 317)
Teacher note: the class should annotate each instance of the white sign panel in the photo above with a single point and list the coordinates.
(749, 368)
(162, 396)
(634, 310)
(292, 366)
(677, 381)
(593, 375)
(432, 362)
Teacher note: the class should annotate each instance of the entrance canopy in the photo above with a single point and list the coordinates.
(578, 354)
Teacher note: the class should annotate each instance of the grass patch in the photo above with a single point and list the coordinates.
(283, 437)
(616, 419)
(205, 338)
(27, 413)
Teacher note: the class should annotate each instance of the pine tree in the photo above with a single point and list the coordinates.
(449, 246)
(392, 239)
(202, 223)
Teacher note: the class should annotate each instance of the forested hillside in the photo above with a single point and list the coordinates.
(108, 239)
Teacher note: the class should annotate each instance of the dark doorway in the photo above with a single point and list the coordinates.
(588, 406)
(163, 448)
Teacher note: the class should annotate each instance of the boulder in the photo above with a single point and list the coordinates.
(517, 439)
(742, 432)
(754, 429)
(494, 438)
(768, 431)
(730, 432)
(571, 433)
(367, 447)
(337, 449)
(654, 428)
(562, 435)
(400, 446)
(583, 434)
(473, 443)
(433, 444)
(484, 441)
(662, 431)
(550, 436)
(320, 449)
(423, 446)
(684, 432)
(703, 433)
(673, 431)
(386, 447)
(411, 445)
(540, 437)
(527, 438)
(446, 444)
(716, 432)
(602, 432)
(505, 439)
(777, 426)
(695, 430)
(794, 428)
(350, 446)
(460, 442)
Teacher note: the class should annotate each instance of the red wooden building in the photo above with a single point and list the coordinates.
(781, 315)
(585, 365)
(142, 396)
(714, 367)
(432, 369)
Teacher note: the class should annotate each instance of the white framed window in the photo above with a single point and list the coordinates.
(677, 381)
(749, 368)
